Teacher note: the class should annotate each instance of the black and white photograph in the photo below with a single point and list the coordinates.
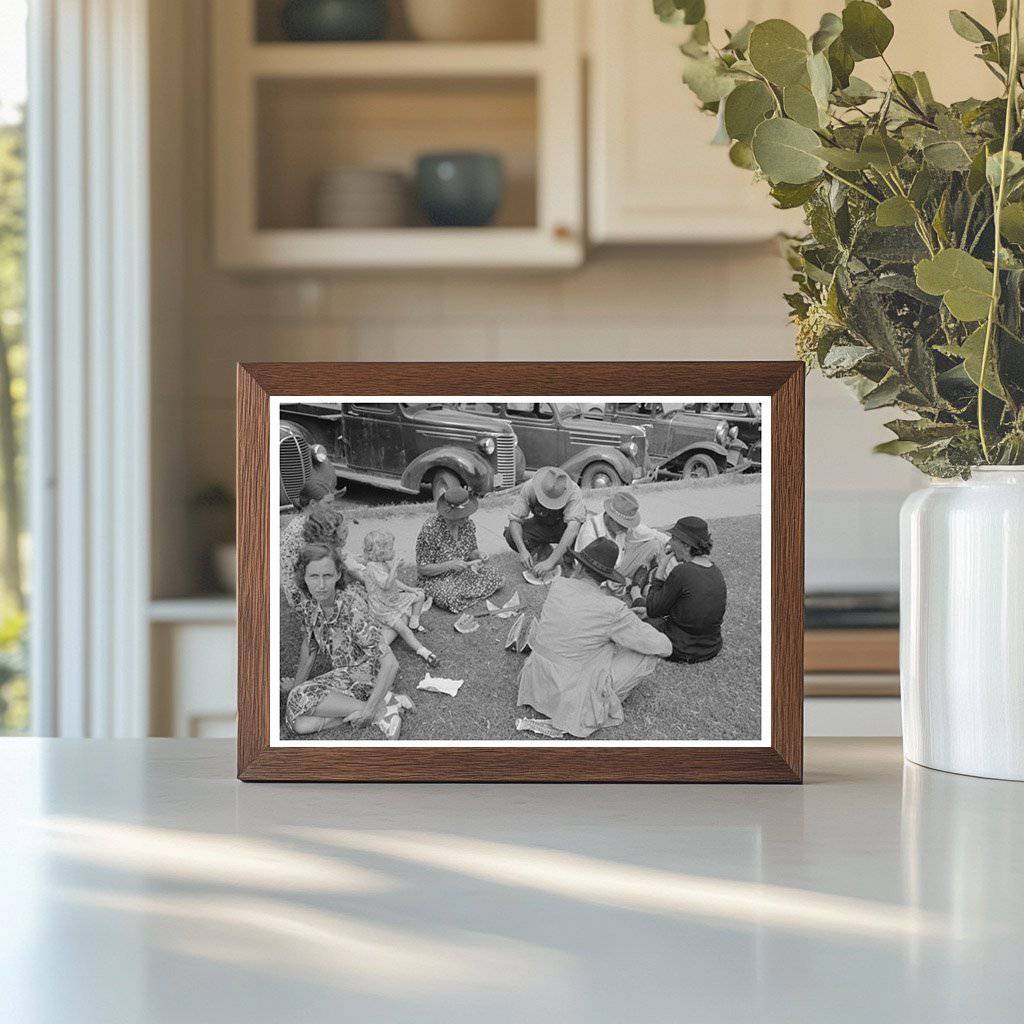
(521, 569)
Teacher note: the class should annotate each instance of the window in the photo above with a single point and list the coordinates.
(14, 693)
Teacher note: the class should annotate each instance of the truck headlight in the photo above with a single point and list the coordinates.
(319, 452)
(722, 432)
(630, 448)
(487, 445)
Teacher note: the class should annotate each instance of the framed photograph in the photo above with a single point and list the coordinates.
(578, 572)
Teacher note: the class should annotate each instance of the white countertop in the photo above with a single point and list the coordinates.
(140, 882)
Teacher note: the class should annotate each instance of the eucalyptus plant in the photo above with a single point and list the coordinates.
(910, 277)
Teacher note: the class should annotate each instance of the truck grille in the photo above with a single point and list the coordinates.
(506, 453)
(296, 465)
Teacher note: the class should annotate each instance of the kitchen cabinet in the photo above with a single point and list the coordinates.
(653, 175)
(288, 114)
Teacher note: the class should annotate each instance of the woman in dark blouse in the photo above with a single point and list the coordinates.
(688, 603)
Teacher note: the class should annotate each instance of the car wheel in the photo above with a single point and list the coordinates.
(700, 466)
(599, 474)
(442, 480)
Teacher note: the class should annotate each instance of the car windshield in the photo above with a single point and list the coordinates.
(569, 409)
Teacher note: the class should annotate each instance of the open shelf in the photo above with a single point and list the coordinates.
(308, 127)
(286, 114)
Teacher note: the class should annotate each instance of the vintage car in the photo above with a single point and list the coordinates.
(397, 445)
(592, 452)
(695, 439)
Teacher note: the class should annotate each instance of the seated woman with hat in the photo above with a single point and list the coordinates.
(639, 546)
(545, 520)
(450, 562)
(689, 599)
(589, 650)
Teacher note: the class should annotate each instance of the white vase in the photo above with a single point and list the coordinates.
(962, 624)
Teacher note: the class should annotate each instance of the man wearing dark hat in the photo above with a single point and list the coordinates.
(589, 650)
(688, 598)
(545, 519)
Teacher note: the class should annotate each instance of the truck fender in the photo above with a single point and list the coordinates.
(471, 467)
(716, 451)
(618, 460)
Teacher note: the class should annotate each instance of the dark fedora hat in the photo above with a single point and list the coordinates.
(456, 503)
(691, 530)
(601, 555)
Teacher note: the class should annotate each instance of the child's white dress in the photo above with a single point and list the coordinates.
(388, 607)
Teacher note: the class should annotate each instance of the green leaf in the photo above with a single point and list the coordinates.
(787, 151)
(1012, 224)
(963, 281)
(895, 447)
(999, 9)
(707, 78)
(969, 28)
(741, 155)
(745, 108)
(819, 74)
(971, 352)
(923, 431)
(976, 173)
(947, 156)
(801, 106)
(739, 41)
(829, 30)
(922, 185)
(788, 196)
(844, 159)
(779, 51)
(866, 29)
(924, 88)
(993, 166)
(690, 12)
(858, 91)
(883, 152)
(885, 394)
(840, 61)
(895, 212)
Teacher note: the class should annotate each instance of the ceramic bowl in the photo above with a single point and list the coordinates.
(459, 189)
(470, 20)
(333, 21)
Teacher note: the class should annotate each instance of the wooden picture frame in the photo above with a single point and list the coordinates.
(779, 759)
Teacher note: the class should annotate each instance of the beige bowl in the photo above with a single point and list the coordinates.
(362, 198)
(471, 20)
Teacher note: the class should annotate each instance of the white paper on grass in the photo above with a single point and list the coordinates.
(437, 684)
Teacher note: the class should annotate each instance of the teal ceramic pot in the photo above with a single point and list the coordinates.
(460, 189)
(334, 21)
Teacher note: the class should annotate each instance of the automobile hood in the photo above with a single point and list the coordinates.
(448, 419)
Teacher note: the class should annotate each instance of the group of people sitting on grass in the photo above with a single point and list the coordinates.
(622, 597)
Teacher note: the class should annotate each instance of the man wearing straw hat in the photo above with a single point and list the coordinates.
(639, 546)
(589, 650)
(545, 519)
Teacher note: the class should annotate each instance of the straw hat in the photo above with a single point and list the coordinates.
(623, 507)
(552, 487)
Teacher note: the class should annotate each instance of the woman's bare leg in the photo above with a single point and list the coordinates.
(305, 724)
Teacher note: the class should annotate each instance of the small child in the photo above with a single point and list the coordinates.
(393, 603)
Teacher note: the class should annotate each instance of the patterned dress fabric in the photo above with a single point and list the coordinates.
(388, 607)
(354, 644)
(442, 540)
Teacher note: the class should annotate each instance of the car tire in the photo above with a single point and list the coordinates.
(442, 480)
(700, 466)
(599, 474)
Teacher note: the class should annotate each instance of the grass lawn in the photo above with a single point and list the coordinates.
(717, 700)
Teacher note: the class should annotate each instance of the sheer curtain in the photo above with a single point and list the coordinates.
(88, 325)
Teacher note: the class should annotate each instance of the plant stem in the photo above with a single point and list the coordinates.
(1011, 108)
(853, 185)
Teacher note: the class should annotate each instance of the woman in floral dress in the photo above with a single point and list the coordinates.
(451, 565)
(355, 689)
(318, 522)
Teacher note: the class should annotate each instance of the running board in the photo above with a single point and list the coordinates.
(371, 478)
